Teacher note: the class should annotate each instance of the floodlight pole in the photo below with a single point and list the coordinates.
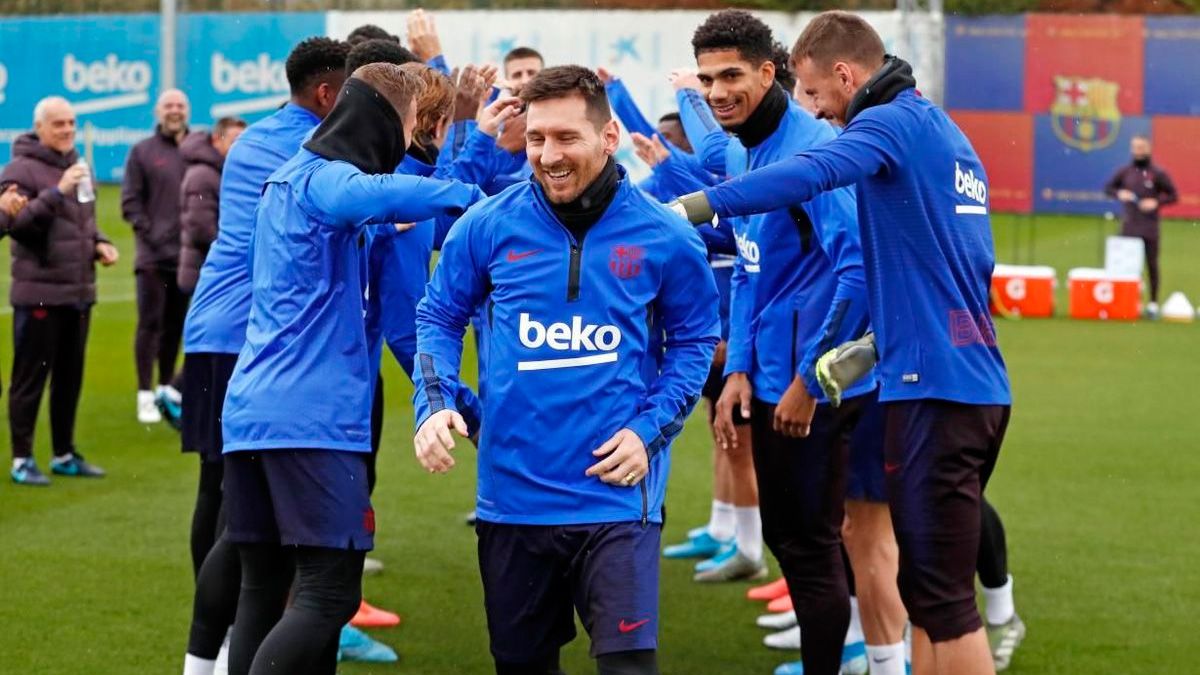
(166, 50)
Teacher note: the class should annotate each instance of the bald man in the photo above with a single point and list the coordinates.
(150, 203)
(55, 244)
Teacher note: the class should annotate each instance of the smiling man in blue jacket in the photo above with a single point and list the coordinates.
(927, 244)
(603, 321)
(296, 421)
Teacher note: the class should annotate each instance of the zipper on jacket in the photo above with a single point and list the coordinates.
(573, 270)
(491, 305)
(645, 500)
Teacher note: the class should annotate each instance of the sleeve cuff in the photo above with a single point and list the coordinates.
(643, 427)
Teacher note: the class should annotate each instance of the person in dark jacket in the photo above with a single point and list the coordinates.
(55, 244)
(150, 203)
(204, 154)
(1143, 189)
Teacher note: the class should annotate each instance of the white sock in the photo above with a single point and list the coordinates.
(854, 633)
(64, 458)
(886, 659)
(18, 461)
(194, 665)
(999, 601)
(722, 524)
(749, 531)
(222, 667)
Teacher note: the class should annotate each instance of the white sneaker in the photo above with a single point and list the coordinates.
(788, 639)
(171, 393)
(777, 620)
(147, 412)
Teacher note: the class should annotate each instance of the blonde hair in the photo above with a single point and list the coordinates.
(435, 102)
(392, 82)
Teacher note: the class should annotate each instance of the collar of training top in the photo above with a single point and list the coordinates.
(363, 129)
(765, 119)
(894, 77)
(582, 212)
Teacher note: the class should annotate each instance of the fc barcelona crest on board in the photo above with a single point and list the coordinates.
(1085, 115)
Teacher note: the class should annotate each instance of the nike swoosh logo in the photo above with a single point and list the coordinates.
(879, 660)
(888, 467)
(513, 256)
(630, 627)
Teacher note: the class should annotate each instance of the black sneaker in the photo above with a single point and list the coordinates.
(75, 465)
(27, 473)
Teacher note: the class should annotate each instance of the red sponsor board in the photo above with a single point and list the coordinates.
(1004, 142)
(1176, 147)
(1071, 60)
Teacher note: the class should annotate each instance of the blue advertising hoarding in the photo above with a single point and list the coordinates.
(105, 65)
(1171, 56)
(985, 63)
(1069, 177)
(233, 64)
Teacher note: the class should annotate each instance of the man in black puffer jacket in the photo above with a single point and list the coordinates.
(54, 249)
(204, 154)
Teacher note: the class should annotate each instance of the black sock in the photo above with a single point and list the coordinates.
(992, 563)
(328, 592)
(547, 666)
(640, 662)
(266, 577)
(205, 514)
(215, 603)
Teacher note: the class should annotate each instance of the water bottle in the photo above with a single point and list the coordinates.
(84, 191)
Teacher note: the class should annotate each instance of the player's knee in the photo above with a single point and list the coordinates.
(638, 662)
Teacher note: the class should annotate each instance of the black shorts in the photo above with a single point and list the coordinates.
(205, 379)
(535, 575)
(712, 391)
(299, 498)
(938, 457)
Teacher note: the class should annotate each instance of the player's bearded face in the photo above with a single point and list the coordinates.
(828, 89)
(733, 86)
(566, 148)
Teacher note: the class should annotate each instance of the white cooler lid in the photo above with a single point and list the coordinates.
(1024, 271)
(1098, 274)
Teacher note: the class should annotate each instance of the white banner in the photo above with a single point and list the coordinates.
(639, 47)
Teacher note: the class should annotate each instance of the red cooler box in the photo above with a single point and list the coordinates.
(1098, 294)
(1023, 290)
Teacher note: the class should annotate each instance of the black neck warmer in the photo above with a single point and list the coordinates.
(765, 119)
(362, 129)
(426, 154)
(582, 212)
(894, 77)
(1141, 162)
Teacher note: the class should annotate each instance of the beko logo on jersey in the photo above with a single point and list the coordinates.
(576, 336)
(748, 249)
(966, 184)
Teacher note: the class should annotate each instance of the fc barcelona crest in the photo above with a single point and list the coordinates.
(1085, 115)
(625, 261)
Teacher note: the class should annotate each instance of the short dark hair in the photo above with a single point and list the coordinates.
(735, 29)
(564, 81)
(671, 117)
(378, 51)
(839, 36)
(312, 59)
(369, 31)
(224, 124)
(783, 68)
(523, 53)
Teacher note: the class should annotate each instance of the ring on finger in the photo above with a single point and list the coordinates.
(629, 478)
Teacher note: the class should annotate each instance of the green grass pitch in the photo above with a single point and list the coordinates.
(1097, 485)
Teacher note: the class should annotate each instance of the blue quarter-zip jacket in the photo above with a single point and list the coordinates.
(576, 348)
(303, 378)
(927, 244)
